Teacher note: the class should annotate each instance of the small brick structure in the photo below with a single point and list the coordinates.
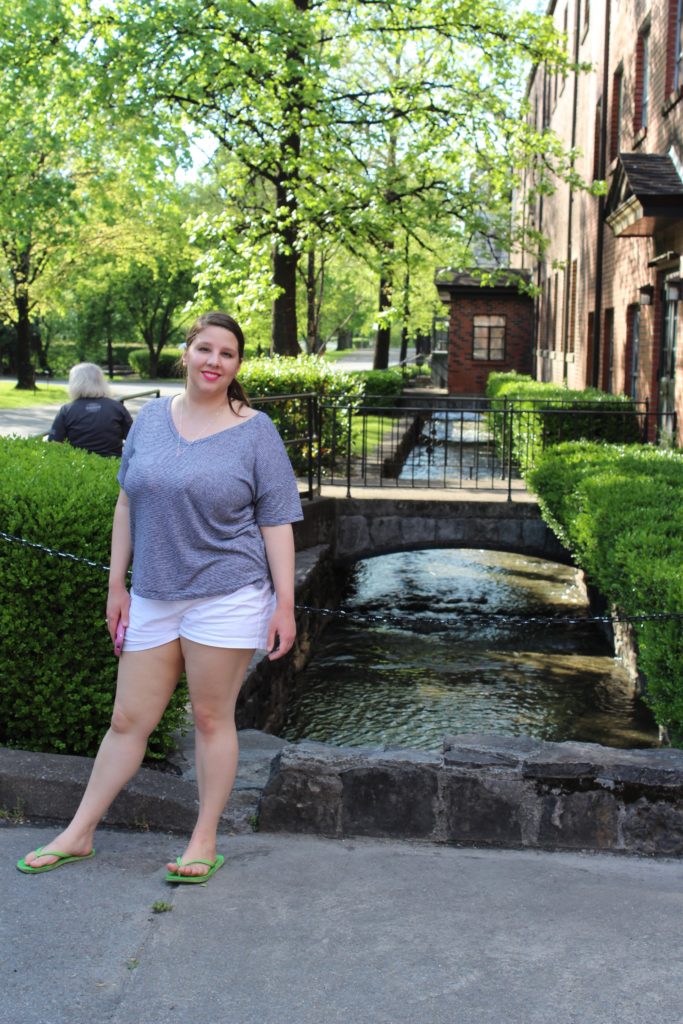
(491, 327)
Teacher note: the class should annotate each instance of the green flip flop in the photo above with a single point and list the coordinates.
(64, 858)
(213, 866)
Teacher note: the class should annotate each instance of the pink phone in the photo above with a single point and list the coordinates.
(118, 639)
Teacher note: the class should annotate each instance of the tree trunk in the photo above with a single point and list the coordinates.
(381, 361)
(344, 339)
(284, 337)
(406, 307)
(25, 373)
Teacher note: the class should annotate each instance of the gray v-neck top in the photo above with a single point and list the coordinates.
(196, 507)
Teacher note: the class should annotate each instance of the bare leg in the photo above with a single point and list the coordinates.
(146, 681)
(214, 677)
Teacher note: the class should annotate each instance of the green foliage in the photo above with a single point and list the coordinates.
(57, 669)
(167, 365)
(619, 510)
(382, 387)
(547, 414)
(284, 375)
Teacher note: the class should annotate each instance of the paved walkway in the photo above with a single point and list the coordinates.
(299, 930)
(37, 419)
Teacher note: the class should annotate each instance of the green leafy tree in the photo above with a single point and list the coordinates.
(307, 100)
(43, 164)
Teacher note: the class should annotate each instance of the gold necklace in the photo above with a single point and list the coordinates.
(202, 431)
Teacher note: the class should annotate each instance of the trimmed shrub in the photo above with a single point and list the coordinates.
(381, 388)
(304, 374)
(167, 367)
(57, 668)
(548, 414)
(619, 509)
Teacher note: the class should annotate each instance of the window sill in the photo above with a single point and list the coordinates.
(673, 98)
(639, 136)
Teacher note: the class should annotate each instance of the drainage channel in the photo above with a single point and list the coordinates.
(454, 664)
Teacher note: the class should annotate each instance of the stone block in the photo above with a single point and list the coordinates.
(393, 799)
(487, 810)
(301, 801)
(653, 828)
(353, 537)
(482, 750)
(579, 820)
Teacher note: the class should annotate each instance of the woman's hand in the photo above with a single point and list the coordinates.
(279, 544)
(282, 628)
(118, 607)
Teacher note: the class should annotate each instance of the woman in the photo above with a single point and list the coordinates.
(207, 500)
(92, 420)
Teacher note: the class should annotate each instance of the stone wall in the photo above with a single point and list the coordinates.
(371, 527)
(484, 791)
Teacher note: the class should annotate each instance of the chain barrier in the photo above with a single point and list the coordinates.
(413, 624)
(52, 551)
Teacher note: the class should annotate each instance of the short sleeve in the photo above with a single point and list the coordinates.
(127, 422)
(277, 498)
(58, 428)
(127, 454)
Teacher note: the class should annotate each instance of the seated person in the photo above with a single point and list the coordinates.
(91, 420)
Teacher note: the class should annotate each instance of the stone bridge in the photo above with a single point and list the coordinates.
(357, 528)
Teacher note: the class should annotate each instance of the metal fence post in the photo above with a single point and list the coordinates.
(510, 433)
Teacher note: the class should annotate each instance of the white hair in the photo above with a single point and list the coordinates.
(86, 380)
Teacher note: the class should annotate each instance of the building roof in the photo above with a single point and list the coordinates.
(646, 194)
(455, 282)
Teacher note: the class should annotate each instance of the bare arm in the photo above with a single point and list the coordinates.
(118, 599)
(279, 542)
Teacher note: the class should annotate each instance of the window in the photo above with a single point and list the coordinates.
(571, 335)
(489, 337)
(677, 6)
(608, 353)
(633, 351)
(617, 106)
(597, 169)
(642, 81)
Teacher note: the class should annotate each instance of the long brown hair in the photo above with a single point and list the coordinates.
(217, 319)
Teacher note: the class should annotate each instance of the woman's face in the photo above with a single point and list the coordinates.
(212, 360)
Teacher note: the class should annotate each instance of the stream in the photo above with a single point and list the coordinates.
(452, 641)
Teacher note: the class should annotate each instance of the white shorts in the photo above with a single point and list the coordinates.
(235, 620)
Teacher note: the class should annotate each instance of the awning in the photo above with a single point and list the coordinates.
(646, 195)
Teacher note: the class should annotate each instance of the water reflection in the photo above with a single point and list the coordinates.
(456, 664)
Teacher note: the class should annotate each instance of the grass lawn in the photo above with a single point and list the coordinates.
(376, 428)
(334, 356)
(45, 394)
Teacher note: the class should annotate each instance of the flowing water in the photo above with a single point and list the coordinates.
(428, 651)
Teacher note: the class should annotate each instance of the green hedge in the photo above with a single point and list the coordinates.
(548, 414)
(57, 669)
(167, 366)
(619, 510)
(283, 375)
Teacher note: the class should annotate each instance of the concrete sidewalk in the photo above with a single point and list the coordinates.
(30, 420)
(299, 930)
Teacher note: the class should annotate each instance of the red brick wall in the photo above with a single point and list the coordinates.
(625, 260)
(467, 376)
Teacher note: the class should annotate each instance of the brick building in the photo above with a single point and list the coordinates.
(611, 280)
(489, 328)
